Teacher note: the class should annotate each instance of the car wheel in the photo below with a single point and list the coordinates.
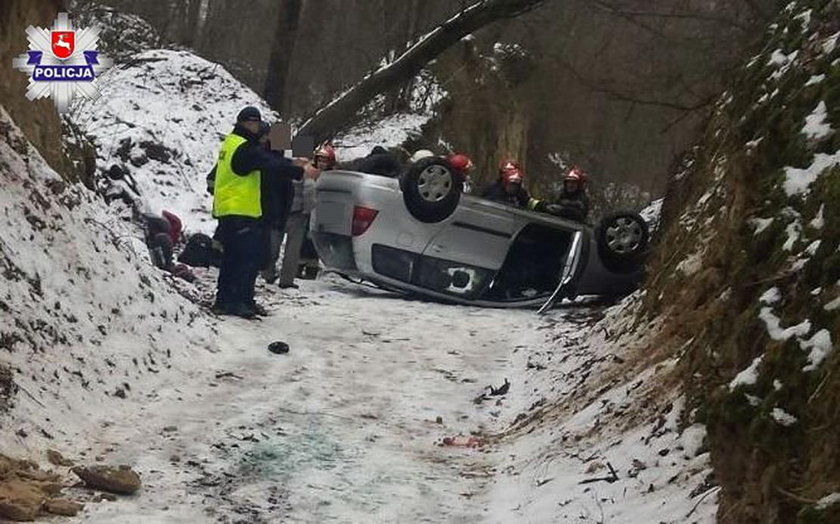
(431, 190)
(622, 241)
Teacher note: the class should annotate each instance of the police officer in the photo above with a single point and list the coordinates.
(237, 204)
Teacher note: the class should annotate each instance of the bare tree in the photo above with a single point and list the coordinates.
(341, 112)
(282, 50)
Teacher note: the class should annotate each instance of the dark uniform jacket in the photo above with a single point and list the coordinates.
(497, 193)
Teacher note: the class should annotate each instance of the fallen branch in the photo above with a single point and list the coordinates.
(706, 494)
(795, 497)
(340, 112)
(612, 478)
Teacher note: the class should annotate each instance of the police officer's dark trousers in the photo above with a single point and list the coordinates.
(243, 242)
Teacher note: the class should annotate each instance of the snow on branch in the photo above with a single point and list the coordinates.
(340, 112)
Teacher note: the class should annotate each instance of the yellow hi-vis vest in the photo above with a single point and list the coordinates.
(234, 194)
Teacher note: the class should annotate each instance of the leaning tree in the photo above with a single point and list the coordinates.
(344, 109)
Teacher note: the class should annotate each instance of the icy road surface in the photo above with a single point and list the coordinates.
(342, 429)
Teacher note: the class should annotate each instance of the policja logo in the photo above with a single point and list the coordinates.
(62, 62)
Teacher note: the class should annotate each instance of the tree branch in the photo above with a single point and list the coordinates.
(340, 112)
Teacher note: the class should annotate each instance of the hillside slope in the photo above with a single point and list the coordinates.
(87, 325)
(747, 279)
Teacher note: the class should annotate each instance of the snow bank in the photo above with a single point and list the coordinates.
(85, 323)
(162, 116)
(597, 438)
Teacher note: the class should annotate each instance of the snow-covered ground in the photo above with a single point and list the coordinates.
(348, 426)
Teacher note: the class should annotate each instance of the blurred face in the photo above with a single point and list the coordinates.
(323, 162)
(571, 186)
(253, 126)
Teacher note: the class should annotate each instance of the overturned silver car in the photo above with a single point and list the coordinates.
(419, 234)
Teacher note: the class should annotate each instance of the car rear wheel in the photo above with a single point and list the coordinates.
(622, 241)
(431, 190)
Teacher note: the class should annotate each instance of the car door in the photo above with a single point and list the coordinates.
(478, 234)
(464, 255)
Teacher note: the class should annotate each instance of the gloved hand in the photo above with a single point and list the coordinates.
(554, 209)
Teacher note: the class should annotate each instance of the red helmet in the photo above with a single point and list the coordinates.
(326, 151)
(174, 224)
(460, 163)
(510, 172)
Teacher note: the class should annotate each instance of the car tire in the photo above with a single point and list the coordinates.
(431, 190)
(622, 240)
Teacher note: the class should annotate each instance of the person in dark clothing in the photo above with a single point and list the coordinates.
(380, 162)
(278, 194)
(572, 202)
(162, 233)
(238, 205)
(509, 190)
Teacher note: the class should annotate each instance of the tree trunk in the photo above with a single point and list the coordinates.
(340, 112)
(191, 25)
(282, 50)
